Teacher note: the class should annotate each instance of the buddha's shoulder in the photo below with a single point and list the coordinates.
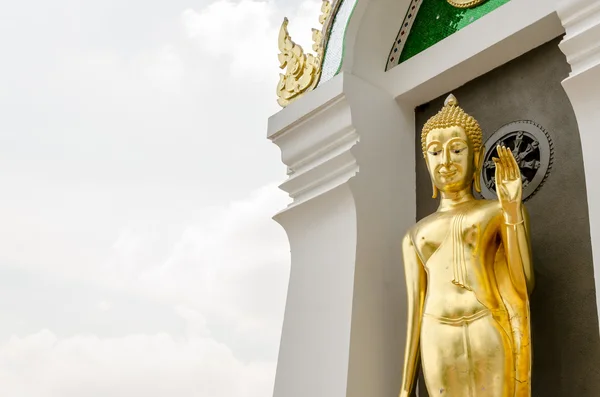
(487, 206)
(482, 209)
(424, 225)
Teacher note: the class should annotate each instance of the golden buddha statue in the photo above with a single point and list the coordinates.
(468, 271)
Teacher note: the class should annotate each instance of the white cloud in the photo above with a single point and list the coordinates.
(123, 148)
(245, 32)
(105, 137)
(226, 278)
(103, 306)
(165, 69)
(231, 265)
(43, 365)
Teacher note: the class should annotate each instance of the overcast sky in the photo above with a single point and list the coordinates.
(137, 252)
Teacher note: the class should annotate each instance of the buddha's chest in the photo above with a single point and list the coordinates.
(455, 236)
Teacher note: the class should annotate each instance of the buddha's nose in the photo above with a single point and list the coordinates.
(446, 157)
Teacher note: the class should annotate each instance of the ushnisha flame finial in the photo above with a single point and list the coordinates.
(451, 101)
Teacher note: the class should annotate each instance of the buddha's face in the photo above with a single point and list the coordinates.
(450, 159)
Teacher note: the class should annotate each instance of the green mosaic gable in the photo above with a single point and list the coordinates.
(437, 19)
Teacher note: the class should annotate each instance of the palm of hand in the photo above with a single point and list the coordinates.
(509, 186)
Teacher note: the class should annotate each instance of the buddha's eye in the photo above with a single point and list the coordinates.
(434, 153)
(458, 150)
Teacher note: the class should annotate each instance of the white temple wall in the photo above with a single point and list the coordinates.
(313, 357)
(584, 93)
(581, 45)
(315, 138)
(350, 210)
(385, 210)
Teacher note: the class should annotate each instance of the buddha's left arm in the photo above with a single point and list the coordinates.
(517, 246)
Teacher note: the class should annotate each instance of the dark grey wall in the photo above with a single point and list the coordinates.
(566, 342)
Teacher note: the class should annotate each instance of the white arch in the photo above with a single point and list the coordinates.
(508, 32)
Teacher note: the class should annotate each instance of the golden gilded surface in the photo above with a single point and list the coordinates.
(302, 71)
(465, 3)
(468, 271)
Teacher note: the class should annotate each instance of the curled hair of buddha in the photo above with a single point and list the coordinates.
(453, 115)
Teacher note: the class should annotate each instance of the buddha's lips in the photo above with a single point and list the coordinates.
(447, 174)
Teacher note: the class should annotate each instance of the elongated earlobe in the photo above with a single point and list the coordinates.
(478, 167)
(477, 182)
(433, 187)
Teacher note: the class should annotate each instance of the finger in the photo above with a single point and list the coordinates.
(502, 156)
(498, 171)
(511, 164)
(509, 169)
(515, 166)
(507, 164)
(498, 164)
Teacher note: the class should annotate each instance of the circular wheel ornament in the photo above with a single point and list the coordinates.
(533, 150)
(465, 3)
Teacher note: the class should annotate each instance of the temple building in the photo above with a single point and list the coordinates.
(353, 108)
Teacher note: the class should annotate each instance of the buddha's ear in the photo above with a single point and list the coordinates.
(433, 187)
(478, 160)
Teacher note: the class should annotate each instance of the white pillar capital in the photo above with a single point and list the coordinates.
(350, 157)
(316, 138)
(581, 44)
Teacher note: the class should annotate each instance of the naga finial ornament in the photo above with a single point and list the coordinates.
(302, 70)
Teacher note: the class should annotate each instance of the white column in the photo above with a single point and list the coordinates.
(350, 155)
(581, 45)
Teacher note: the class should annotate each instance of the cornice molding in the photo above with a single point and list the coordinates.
(317, 150)
(581, 44)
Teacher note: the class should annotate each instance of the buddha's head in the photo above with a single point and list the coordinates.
(452, 149)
